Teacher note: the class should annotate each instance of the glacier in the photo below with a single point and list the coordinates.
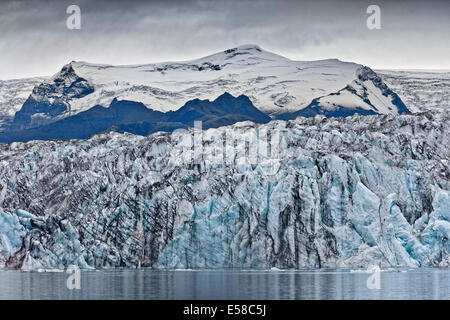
(337, 193)
(420, 90)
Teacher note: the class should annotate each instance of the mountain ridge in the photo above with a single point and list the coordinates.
(135, 117)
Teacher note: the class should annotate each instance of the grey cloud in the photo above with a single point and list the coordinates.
(35, 41)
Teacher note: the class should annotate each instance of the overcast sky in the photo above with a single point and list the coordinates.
(34, 39)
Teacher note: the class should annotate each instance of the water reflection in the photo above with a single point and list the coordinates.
(228, 285)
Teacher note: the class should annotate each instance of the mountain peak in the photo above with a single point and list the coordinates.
(225, 95)
(66, 70)
(245, 47)
(274, 84)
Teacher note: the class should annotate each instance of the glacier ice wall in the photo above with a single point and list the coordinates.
(342, 192)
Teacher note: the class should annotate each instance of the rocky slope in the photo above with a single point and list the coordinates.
(13, 94)
(336, 192)
(50, 100)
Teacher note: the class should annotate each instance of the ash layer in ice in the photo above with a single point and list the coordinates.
(345, 192)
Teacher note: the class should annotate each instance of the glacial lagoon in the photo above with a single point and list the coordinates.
(227, 284)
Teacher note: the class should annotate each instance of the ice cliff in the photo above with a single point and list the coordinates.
(329, 192)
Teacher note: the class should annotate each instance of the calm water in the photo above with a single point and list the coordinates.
(228, 285)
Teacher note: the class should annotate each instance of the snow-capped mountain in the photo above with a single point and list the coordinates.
(52, 99)
(274, 84)
(339, 192)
